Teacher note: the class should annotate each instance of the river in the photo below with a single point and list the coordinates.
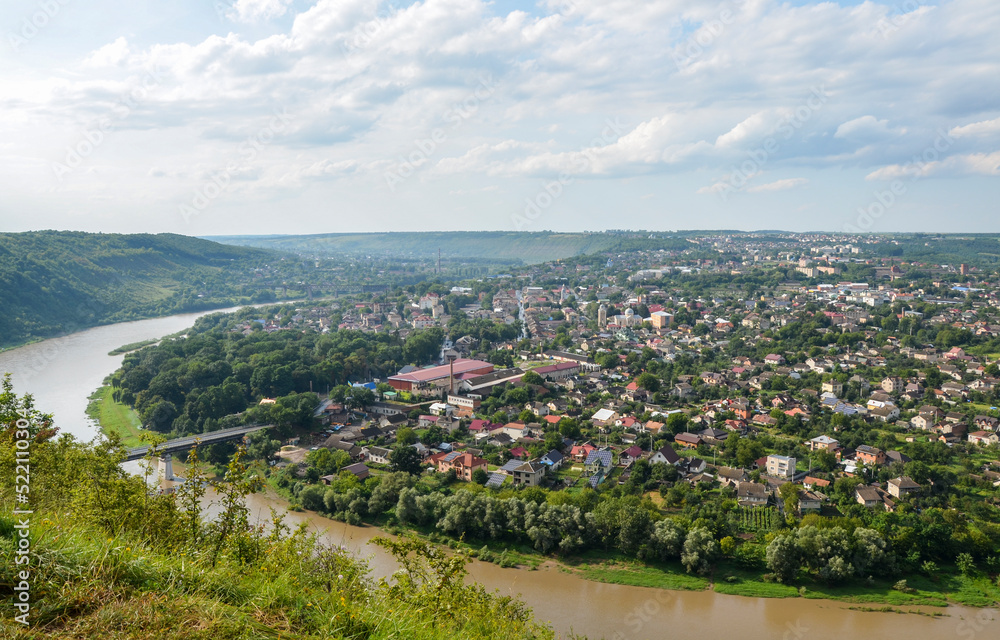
(62, 372)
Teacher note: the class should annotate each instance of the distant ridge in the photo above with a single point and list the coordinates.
(526, 247)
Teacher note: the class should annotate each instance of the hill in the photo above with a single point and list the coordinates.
(54, 282)
(488, 246)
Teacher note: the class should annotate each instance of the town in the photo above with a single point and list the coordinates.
(743, 384)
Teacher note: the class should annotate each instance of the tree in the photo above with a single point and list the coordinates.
(479, 476)
(677, 423)
(649, 382)
(233, 490)
(312, 497)
(260, 446)
(783, 558)
(531, 377)
(666, 540)
(406, 436)
(789, 493)
(748, 451)
(965, 563)
(699, 551)
(406, 458)
(727, 545)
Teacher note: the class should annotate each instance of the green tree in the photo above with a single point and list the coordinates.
(406, 436)
(407, 459)
(783, 558)
(479, 476)
(789, 493)
(699, 551)
(260, 445)
(648, 381)
(530, 377)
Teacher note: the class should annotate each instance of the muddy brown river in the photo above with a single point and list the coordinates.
(62, 372)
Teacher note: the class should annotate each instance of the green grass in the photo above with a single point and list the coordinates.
(114, 417)
(614, 568)
(755, 589)
(89, 584)
(132, 346)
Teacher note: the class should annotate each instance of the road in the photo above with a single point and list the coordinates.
(185, 443)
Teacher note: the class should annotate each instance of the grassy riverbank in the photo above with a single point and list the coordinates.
(115, 417)
(132, 346)
(947, 586)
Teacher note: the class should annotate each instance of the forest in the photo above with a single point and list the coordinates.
(199, 383)
(54, 282)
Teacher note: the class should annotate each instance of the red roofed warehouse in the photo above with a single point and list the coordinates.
(436, 378)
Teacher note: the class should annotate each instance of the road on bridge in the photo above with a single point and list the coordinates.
(185, 443)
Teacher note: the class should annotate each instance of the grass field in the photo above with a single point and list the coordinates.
(614, 568)
(114, 417)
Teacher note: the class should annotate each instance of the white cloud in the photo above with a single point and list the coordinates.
(111, 54)
(983, 164)
(866, 128)
(753, 129)
(977, 129)
(365, 80)
(257, 10)
(778, 185)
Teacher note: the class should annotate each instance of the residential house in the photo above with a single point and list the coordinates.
(867, 496)
(751, 494)
(554, 459)
(809, 502)
(871, 456)
(604, 417)
(823, 443)
(359, 470)
(529, 474)
(630, 455)
(833, 386)
(597, 462)
(887, 413)
(688, 440)
(893, 384)
(682, 390)
(729, 476)
(902, 486)
(580, 452)
(813, 483)
(377, 455)
(515, 430)
(984, 438)
(986, 423)
(666, 455)
(464, 464)
(780, 466)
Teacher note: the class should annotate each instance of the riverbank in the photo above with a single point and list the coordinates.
(132, 346)
(114, 417)
(947, 587)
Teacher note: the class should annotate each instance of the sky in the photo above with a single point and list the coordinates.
(207, 117)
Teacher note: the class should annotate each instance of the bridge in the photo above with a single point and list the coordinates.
(184, 444)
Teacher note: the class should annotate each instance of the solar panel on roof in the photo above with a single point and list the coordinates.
(496, 479)
(451, 456)
(511, 465)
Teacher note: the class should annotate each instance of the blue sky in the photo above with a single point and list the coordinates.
(297, 116)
